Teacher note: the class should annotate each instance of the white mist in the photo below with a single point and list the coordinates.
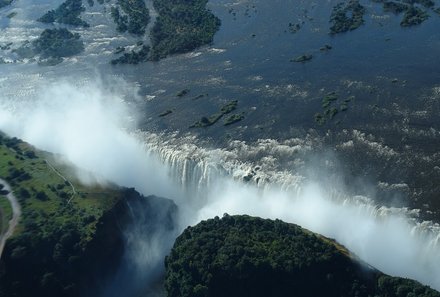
(89, 127)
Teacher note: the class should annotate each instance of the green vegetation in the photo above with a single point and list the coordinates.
(328, 99)
(133, 57)
(68, 232)
(131, 15)
(329, 103)
(414, 16)
(228, 107)
(395, 7)
(11, 15)
(320, 119)
(302, 59)
(234, 118)
(5, 213)
(67, 13)
(182, 26)
(44, 195)
(207, 121)
(401, 5)
(211, 120)
(239, 256)
(4, 3)
(347, 17)
(57, 43)
(293, 28)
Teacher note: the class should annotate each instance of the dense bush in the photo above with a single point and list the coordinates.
(182, 26)
(414, 14)
(67, 13)
(347, 17)
(58, 43)
(246, 256)
(133, 57)
(131, 15)
(54, 255)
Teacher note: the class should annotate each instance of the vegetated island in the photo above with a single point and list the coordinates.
(131, 15)
(67, 13)
(331, 106)
(133, 57)
(225, 109)
(302, 59)
(181, 27)
(70, 237)
(413, 15)
(239, 256)
(347, 17)
(52, 46)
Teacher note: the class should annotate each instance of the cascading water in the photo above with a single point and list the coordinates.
(268, 178)
(237, 180)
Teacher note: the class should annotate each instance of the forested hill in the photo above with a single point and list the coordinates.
(70, 236)
(247, 256)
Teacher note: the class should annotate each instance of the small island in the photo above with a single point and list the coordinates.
(67, 13)
(181, 28)
(414, 16)
(302, 59)
(347, 17)
(214, 118)
(331, 105)
(58, 43)
(413, 12)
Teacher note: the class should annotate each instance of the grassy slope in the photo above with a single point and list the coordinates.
(88, 201)
(59, 242)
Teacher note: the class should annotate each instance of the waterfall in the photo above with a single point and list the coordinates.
(253, 179)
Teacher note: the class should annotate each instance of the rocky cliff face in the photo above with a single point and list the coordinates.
(34, 266)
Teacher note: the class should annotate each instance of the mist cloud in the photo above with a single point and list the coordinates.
(91, 127)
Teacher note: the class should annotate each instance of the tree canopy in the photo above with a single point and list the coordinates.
(248, 256)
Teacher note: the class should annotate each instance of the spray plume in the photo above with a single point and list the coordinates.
(89, 127)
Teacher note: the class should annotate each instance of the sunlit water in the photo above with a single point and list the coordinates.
(291, 169)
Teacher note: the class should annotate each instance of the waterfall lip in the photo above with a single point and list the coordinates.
(233, 162)
(257, 172)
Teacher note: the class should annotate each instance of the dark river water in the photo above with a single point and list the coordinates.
(389, 76)
(384, 145)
